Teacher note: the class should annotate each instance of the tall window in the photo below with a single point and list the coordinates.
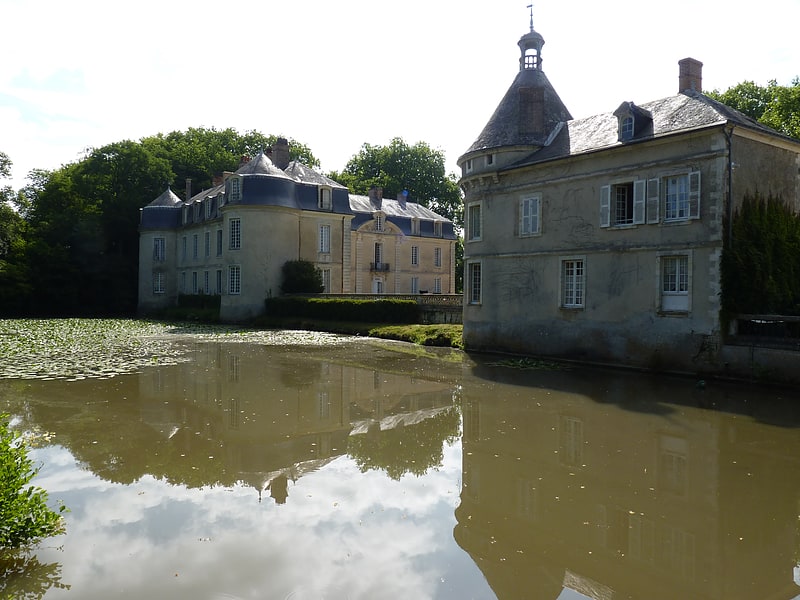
(218, 287)
(236, 234)
(414, 226)
(623, 203)
(530, 214)
(474, 221)
(234, 279)
(206, 283)
(183, 282)
(219, 242)
(326, 281)
(572, 283)
(194, 282)
(208, 243)
(325, 238)
(415, 285)
(378, 254)
(414, 256)
(437, 257)
(675, 283)
(437, 229)
(236, 190)
(378, 222)
(437, 285)
(474, 282)
(676, 197)
(324, 200)
(194, 246)
(183, 248)
(158, 283)
(159, 249)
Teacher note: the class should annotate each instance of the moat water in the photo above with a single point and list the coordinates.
(372, 470)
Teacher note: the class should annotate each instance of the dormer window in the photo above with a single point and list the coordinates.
(378, 222)
(626, 128)
(324, 198)
(414, 226)
(235, 194)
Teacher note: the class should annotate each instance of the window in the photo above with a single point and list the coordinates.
(218, 287)
(198, 211)
(437, 285)
(489, 160)
(682, 197)
(206, 283)
(530, 215)
(183, 282)
(208, 243)
(437, 229)
(570, 441)
(219, 242)
(572, 283)
(236, 190)
(324, 200)
(622, 203)
(194, 246)
(378, 222)
(326, 281)
(414, 256)
(474, 222)
(675, 283)
(415, 285)
(414, 226)
(437, 257)
(378, 255)
(325, 238)
(236, 234)
(474, 283)
(468, 166)
(159, 249)
(194, 282)
(234, 279)
(183, 248)
(626, 128)
(158, 283)
(209, 202)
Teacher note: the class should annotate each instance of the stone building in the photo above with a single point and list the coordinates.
(233, 239)
(599, 239)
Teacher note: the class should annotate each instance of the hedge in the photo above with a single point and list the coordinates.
(345, 309)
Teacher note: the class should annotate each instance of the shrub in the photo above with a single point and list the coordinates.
(25, 517)
(301, 277)
(345, 309)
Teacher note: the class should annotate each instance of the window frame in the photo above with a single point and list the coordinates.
(219, 242)
(235, 190)
(159, 249)
(437, 257)
(474, 284)
(159, 283)
(235, 233)
(609, 203)
(414, 256)
(675, 301)
(325, 198)
(324, 246)
(195, 246)
(530, 219)
(474, 222)
(572, 283)
(234, 280)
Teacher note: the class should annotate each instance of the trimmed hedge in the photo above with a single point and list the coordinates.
(345, 309)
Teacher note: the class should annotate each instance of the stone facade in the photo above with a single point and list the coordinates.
(599, 239)
(233, 240)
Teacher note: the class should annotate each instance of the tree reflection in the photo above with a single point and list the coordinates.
(406, 448)
(23, 576)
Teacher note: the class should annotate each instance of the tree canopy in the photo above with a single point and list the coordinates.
(773, 105)
(417, 169)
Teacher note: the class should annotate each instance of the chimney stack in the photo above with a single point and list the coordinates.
(690, 75)
(188, 189)
(376, 196)
(280, 153)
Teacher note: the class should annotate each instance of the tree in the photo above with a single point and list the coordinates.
(25, 517)
(301, 277)
(417, 169)
(774, 105)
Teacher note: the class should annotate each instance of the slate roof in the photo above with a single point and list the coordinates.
(168, 199)
(261, 165)
(503, 127)
(393, 208)
(305, 174)
(675, 114)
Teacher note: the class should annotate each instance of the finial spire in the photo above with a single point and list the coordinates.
(530, 7)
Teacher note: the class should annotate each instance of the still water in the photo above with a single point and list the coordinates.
(369, 469)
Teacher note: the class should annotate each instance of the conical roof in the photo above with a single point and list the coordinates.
(167, 199)
(261, 165)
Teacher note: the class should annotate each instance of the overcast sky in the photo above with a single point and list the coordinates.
(334, 75)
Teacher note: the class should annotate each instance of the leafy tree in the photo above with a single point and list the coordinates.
(13, 276)
(397, 167)
(301, 277)
(25, 517)
(773, 105)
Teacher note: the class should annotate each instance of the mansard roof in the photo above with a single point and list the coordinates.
(683, 112)
(393, 208)
(507, 125)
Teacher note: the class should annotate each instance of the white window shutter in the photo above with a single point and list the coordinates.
(536, 214)
(639, 201)
(694, 195)
(653, 200)
(605, 205)
(524, 216)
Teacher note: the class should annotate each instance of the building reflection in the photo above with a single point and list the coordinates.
(607, 496)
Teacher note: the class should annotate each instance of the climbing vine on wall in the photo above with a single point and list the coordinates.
(761, 264)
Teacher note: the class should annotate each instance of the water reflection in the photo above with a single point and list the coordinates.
(621, 487)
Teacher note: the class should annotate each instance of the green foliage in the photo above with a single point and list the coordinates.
(448, 336)
(773, 105)
(761, 263)
(418, 169)
(25, 517)
(301, 277)
(345, 309)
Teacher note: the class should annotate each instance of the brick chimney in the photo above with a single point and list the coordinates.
(690, 75)
(280, 153)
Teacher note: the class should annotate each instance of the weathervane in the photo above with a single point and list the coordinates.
(530, 6)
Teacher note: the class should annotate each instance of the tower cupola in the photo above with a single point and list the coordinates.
(530, 46)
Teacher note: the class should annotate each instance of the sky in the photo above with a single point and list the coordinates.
(335, 75)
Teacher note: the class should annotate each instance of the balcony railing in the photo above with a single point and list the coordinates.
(381, 267)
